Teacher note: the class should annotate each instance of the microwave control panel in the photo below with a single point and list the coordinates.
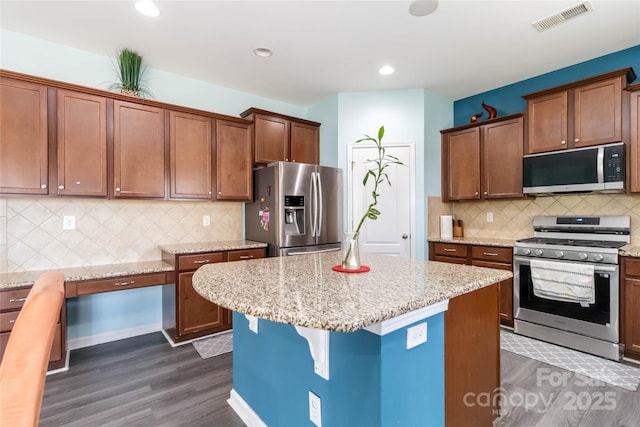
(614, 169)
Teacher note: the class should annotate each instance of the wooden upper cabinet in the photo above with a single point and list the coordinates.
(461, 158)
(305, 143)
(548, 122)
(138, 150)
(190, 155)
(233, 161)
(23, 137)
(272, 139)
(278, 137)
(502, 152)
(578, 114)
(634, 142)
(483, 160)
(82, 144)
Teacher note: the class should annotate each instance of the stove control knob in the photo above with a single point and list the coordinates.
(583, 256)
(559, 254)
(598, 257)
(538, 252)
(526, 251)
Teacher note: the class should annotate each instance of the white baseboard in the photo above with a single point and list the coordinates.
(104, 337)
(244, 411)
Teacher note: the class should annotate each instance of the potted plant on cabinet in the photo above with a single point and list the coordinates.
(130, 70)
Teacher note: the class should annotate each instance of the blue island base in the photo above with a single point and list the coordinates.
(373, 379)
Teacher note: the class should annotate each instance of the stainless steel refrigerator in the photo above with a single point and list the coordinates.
(297, 208)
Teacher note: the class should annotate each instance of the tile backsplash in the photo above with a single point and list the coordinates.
(107, 231)
(513, 219)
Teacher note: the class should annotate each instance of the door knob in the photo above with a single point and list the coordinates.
(405, 236)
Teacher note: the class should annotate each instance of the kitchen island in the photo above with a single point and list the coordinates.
(370, 346)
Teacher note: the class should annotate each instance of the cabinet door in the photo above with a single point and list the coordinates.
(634, 152)
(233, 161)
(23, 138)
(631, 308)
(597, 113)
(138, 150)
(190, 154)
(505, 291)
(305, 143)
(195, 313)
(547, 122)
(502, 151)
(82, 144)
(271, 139)
(462, 153)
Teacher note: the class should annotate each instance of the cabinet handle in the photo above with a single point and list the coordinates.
(489, 253)
(18, 299)
(43, 186)
(118, 189)
(286, 160)
(220, 192)
(477, 193)
(576, 140)
(563, 142)
(485, 193)
(209, 192)
(61, 187)
(202, 261)
(449, 250)
(246, 256)
(124, 283)
(12, 321)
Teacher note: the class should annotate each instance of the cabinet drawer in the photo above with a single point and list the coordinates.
(450, 260)
(7, 320)
(192, 262)
(120, 283)
(452, 250)
(632, 267)
(492, 253)
(13, 299)
(56, 347)
(245, 254)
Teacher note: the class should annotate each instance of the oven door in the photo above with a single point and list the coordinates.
(598, 320)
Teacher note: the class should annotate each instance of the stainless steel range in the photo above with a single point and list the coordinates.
(584, 245)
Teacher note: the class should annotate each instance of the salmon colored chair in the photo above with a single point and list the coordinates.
(24, 365)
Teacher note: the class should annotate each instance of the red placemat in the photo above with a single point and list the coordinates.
(339, 269)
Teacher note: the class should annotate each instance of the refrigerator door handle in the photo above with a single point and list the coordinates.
(319, 197)
(314, 201)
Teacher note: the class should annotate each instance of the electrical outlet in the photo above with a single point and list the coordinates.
(206, 220)
(68, 222)
(416, 335)
(315, 409)
(489, 216)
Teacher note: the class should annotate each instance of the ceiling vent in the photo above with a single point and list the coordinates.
(561, 17)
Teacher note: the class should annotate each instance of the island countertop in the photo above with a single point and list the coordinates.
(304, 291)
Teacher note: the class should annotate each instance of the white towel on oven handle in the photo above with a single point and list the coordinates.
(562, 281)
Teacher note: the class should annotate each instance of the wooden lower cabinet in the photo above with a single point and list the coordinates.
(186, 314)
(472, 358)
(630, 306)
(11, 301)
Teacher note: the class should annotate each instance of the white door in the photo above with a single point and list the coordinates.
(392, 233)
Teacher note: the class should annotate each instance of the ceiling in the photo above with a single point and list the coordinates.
(324, 47)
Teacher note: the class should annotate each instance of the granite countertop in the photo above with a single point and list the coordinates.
(72, 274)
(217, 246)
(304, 291)
(630, 250)
(487, 241)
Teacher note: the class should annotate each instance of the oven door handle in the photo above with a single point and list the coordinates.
(596, 268)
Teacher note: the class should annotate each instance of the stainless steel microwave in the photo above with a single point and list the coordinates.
(596, 168)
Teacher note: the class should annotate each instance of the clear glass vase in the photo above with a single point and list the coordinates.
(350, 251)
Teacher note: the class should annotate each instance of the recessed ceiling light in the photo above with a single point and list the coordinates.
(147, 8)
(386, 70)
(262, 52)
(423, 7)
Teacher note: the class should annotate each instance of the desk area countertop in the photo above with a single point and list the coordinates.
(484, 241)
(304, 291)
(216, 246)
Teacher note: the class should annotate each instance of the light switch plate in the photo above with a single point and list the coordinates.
(69, 222)
(416, 335)
(315, 409)
(489, 216)
(206, 220)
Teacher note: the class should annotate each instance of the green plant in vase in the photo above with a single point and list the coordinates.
(130, 70)
(378, 176)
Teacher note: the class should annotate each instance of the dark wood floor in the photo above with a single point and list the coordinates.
(142, 381)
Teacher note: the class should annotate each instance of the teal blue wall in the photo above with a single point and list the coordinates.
(508, 99)
(273, 373)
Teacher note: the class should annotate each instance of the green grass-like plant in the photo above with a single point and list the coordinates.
(130, 70)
